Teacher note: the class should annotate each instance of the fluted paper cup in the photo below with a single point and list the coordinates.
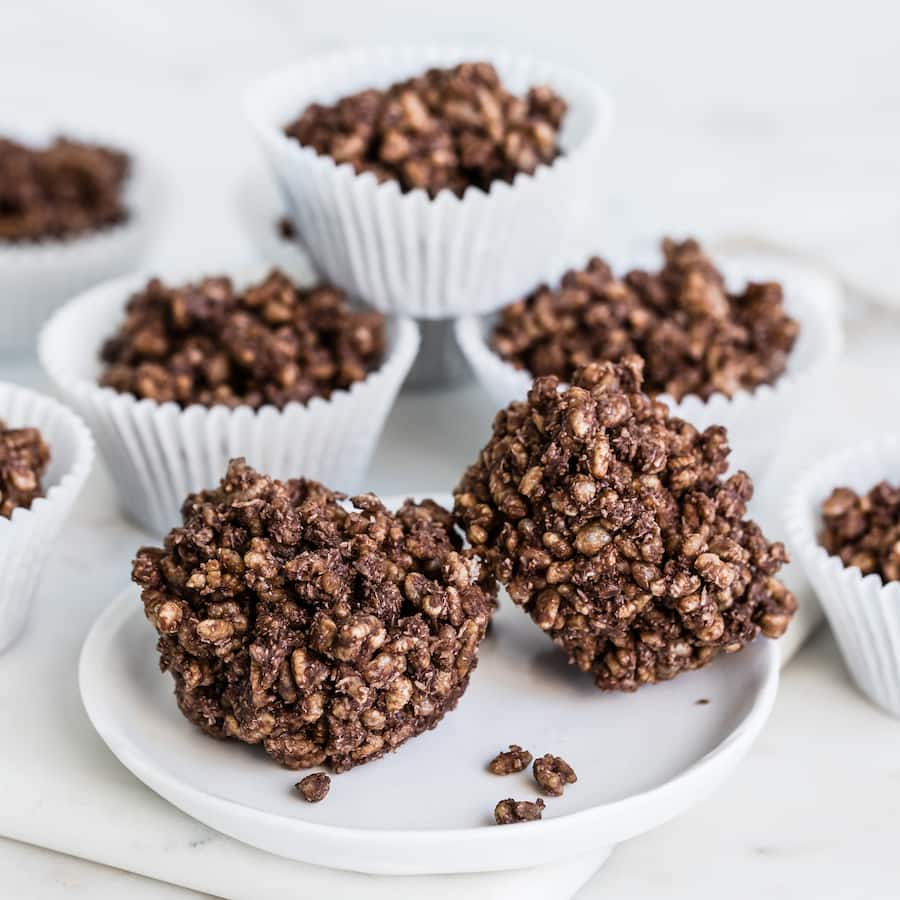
(749, 416)
(439, 362)
(37, 276)
(430, 258)
(158, 453)
(863, 611)
(28, 536)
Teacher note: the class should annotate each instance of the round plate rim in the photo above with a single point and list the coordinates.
(595, 819)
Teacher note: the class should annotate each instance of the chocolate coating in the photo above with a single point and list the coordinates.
(324, 635)
(611, 524)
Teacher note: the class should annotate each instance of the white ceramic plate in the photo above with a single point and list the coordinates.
(641, 759)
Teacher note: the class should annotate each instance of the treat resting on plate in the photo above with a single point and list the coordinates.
(65, 189)
(611, 524)
(325, 635)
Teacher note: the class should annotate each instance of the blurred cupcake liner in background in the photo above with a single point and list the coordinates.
(28, 537)
(863, 611)
(36, 276)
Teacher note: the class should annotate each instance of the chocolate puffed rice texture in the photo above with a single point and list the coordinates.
(508, 762)
(553, 773)
(272, 343)
(611, 524)
(314, 788)
(512, 812)
(328, 636)
(447, 129)
(65, 189)
(24, 457)
(864, 530)
(695, 337)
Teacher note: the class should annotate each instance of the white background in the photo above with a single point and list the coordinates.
(779, 119)
(776, 115)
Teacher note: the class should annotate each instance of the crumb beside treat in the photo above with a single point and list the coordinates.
(511, 812)
(272, 343)
(553, 773)
(314, 788)
(447, 129)
(864, 530)
(24, 457)
(508, 762)
(611, 524)
(694, 335)
(63, 190)
(329, 636)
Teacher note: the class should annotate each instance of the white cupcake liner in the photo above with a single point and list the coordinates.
(751, 417)
(159, 453)
(28, 537)
(440, 258)
(439, 363)
(37, 276)
(863, 611)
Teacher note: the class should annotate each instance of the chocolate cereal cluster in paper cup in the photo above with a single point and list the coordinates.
(75, 211)
(176, 377)
(843, 523)
(734, 345)
(432, 181)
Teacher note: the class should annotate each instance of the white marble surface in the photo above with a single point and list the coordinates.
(778, 120)
(32, 873)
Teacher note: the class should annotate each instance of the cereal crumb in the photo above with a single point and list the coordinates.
(553, 773)
(314, 787)
(703, 701)
(510, 761)
(511, 812)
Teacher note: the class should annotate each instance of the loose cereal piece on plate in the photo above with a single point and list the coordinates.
(511, 812)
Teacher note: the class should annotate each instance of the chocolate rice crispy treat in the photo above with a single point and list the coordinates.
(508, 762)
(448, 129)
(314, 788)
(24, 457)
(610, 523)
(553, 773)
(327, 636)
(272, 343)
(695, 336)
(511, 812)
(864, 531)
(62, 190)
